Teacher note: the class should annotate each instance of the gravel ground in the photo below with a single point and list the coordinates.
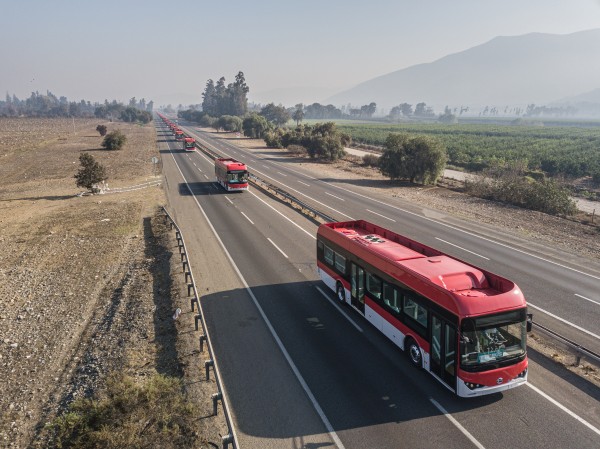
(87, 284)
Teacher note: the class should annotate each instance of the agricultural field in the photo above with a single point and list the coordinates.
(567, 151)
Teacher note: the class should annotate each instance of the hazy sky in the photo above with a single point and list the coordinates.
(167, 50)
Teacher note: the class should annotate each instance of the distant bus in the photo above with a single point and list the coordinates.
(231, 174)
(189, 144)
(464, 325)
(178, 134)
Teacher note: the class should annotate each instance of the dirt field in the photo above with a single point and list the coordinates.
(86, 283)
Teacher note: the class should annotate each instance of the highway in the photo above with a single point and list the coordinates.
(301, 371)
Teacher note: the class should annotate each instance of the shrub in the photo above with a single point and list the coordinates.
(370, 160)
(101, 129)
(297, 150)
(114, 140)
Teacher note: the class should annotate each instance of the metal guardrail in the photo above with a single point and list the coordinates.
(280, 194)
(195, 301)
(579, 350)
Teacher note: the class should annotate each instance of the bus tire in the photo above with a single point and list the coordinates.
(340, 293)
(414, 353)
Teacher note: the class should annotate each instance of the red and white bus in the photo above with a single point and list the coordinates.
(189, 144)
(465, 325)
(231, 174)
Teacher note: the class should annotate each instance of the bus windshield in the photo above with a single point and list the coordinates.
(492, 339)
(237, 176)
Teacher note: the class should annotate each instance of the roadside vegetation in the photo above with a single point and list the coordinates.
(130, 414)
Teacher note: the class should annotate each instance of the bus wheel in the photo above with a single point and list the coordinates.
(341, 293)
(414, 353)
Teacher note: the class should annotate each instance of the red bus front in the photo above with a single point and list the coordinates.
(231, 174)
(189, 144)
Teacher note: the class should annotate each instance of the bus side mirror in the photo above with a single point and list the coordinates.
(529, 322)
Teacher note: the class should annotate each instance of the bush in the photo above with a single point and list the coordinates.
(297, 150)
(370, 160)
(152, 414)
(545, 195)
(114, 140)
(101, 129)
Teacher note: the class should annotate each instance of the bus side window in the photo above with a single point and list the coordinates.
(374, 285)
(320, 250)
(328, 255)
(414, 310)
(391, 297)
(340, 263)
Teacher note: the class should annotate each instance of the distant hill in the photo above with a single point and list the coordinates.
(506, 71)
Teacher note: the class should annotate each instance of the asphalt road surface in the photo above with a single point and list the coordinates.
(299, 371)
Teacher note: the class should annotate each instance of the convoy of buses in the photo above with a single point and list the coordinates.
(464, 325)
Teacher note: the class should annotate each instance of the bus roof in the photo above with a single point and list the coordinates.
(456, 285)
(230, 163)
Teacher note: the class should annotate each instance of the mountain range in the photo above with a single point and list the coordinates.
(511, 71)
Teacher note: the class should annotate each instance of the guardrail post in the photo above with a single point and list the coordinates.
(227, 440)
(207, 365)
(194, 301)
(577, 358)
(202, 340)
(185, 264)
(190, 288)
(215, 399)
(197, 318)
(183, 256)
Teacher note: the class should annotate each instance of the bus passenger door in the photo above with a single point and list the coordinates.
(443, 350)
(357, 291)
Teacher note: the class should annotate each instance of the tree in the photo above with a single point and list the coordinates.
(90, 173)
(114, 140)
(298, 113)
(255, 126)
(275, 114)
(101, 129)
(416, 158)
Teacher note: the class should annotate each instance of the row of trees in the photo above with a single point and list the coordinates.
(49, 105)
(219, 99)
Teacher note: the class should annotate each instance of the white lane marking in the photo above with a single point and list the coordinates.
(206, 176)
(287, 356)
(461, 230)
(303, 194)
(587, 299)
(247, 217)
(564, 409)
(227, 198)
(564, 321)
(382, 216)
(282, 174)
(331, 194)
(460, 247)
(295, 224)
(278, 248)
(200, 170)
(307, 185)
(194, 164)
(457, 424)
(335, 304)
